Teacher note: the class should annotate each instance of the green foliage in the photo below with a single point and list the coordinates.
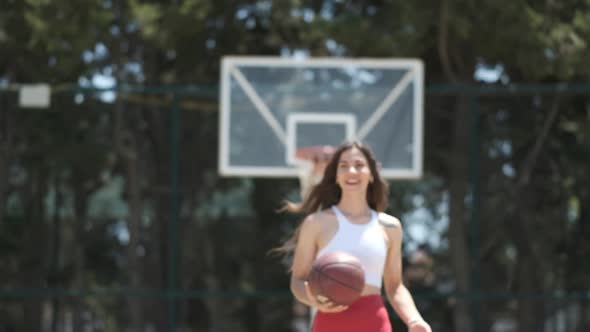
(73, 217)
(38, 46)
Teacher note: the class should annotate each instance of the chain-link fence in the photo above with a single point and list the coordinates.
(114, 217)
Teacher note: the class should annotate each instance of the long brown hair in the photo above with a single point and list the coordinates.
(328, 192)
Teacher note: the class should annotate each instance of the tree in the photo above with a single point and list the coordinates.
(180, 43)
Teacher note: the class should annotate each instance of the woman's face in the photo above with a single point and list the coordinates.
(353, 172)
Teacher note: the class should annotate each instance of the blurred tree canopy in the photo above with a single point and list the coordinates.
(87, 196)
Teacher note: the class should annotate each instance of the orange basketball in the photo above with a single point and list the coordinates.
(337, 276)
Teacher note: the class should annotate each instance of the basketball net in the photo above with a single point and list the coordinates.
(311, 163)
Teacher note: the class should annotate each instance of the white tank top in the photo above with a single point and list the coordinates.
(365, 241)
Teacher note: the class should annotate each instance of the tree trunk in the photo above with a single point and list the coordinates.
(159, 261)
(56, 251)
(4, 161)
(458, 214)
(79, 281)
(159, 178)
(530, 310)
(134, 226)
(529, 260)
(218, 307)
(6, 125)
(33, 271)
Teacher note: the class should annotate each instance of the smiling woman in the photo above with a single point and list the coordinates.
(345, 212)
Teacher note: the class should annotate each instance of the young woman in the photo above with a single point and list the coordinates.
(345, 213)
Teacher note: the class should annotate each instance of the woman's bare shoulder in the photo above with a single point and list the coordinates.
(321, 215)
(388, 221)
(392, 228)
(320, 218)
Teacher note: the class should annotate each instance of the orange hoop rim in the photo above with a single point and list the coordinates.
(315, 152)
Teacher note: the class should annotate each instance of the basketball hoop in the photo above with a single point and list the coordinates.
(311, 162)
(315, 153)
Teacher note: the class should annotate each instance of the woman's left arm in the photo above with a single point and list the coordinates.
(397, 294)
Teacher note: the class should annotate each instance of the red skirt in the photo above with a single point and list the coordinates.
(367, 314)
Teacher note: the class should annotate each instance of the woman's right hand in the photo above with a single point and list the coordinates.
(324, 305)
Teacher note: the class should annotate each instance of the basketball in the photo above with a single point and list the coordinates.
(337, 276)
